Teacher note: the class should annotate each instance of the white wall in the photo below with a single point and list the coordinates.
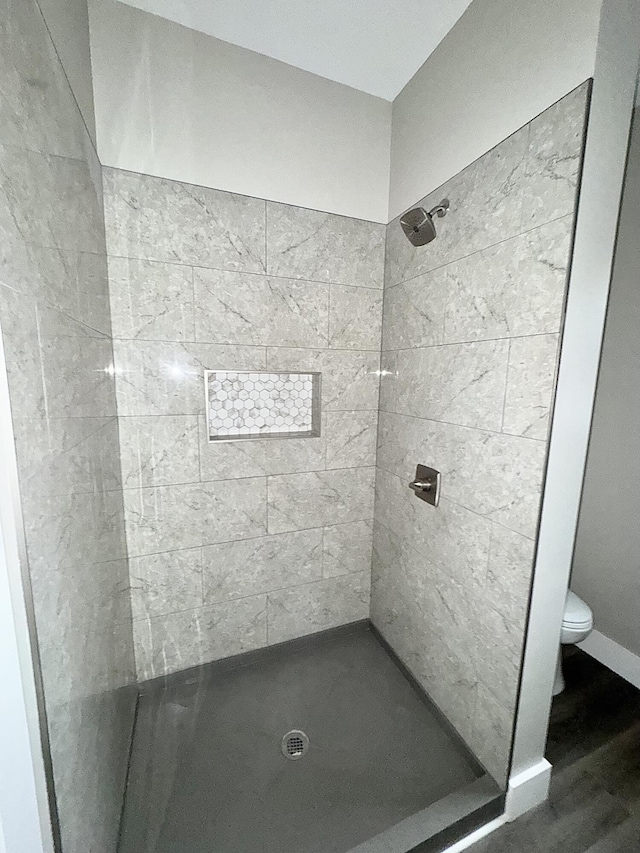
(504, 62)
(179, 104)
(606, 570)
(68, 23)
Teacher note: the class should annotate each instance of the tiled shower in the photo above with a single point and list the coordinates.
(154, 550)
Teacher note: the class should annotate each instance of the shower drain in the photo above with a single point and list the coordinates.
(295, 744)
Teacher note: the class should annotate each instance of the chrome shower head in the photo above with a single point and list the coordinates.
(418, 223)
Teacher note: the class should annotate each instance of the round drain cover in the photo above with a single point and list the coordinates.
(295, 744)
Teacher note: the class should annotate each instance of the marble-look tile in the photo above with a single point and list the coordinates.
(57, 529)
(169, 518)
(355, 318)
(530, 385)
(493, 732)
(414, 311)
(158, 451)
(165, 583)
(458, 383)
(234, 308)
(454, 539)
(485, 203)
(317, 246)
(509, 574)
(317, 499)
(162, 378)
(251, 566)
(349, 379)
(64, 193)
(37, 107)
(317, 606)
(347, 548)
(160, 220)
(514, 288)
(166, 644)
(350, 439)
(497, 476)
(224, 460)
(67, 455)
(553, 159)
(151, 301)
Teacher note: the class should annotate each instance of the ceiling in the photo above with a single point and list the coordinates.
(372, 45)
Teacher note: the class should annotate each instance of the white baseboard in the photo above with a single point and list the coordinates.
(613, 655)
(475, 836)
(528, 789)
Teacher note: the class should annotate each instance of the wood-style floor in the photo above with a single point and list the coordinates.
(594, 746)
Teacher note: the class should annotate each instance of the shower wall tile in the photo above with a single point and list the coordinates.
(166, 583)
(224, 460)
(260, 310)
(459, 383)
(151, 301)
(347, 548)
(252, 566)
(350, 439)
(317, 606)
(191, 292)
(56, 327)
(159, 451)
(299, 501)
(167, 378)
(471, 326)
(514, 288)
(319, 246)
(530, 384)
(414, 311)
(193, 637)
(355, 318)
(349, 379)
(168, 518)
(160, 220)
(554, 158)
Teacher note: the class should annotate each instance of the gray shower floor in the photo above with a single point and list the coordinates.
(207, 774)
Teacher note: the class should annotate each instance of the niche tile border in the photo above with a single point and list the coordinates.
(250, 404)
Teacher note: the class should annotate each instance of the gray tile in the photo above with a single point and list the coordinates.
(249, 567)
(349, 379)
(67, 455)
(177, 641)
(317, 606)
(169, 518)
(299, 501)
(509, 574)
(158, 451)
(530, 385)
(514, 288)
(347, 548)
(497, 476)
(165, 583)
(162, 378)
(235, 308)
(553, 159)
(160, 220)
(458, 383)
(350, 439)
(355, 318)
(223, 460)
(317, 246)
(414, 311)
(151, 301)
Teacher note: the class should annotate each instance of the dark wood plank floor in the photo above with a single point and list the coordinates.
(594, 746)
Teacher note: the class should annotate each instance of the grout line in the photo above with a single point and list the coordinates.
(467, 342)
(463, 426)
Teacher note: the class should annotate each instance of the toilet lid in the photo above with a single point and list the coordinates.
(576, 612)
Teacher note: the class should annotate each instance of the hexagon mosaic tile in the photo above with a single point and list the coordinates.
(262, 405)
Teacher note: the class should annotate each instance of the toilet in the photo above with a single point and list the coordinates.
(576, 627)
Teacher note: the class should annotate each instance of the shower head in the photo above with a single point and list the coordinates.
(418, 223)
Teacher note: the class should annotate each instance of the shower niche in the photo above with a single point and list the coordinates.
(262, 404)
